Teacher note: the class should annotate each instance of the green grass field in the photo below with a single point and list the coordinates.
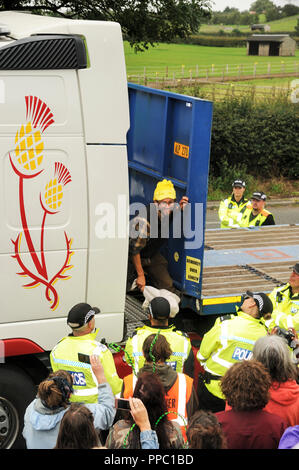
(285, 24)
(178, 57)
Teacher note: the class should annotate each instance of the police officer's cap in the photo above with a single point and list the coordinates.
(259, 195)
(239, 184)
(80, 315)
(296, 268)
(262, 301)
(159, 308)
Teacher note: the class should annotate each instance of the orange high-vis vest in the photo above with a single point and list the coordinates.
(177, 397)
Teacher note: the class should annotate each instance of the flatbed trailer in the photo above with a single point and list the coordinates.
(235, 260)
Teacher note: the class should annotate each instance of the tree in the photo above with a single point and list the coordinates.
(143, 22)
(273, 13)
(247, 18)
(260, 6)
(289, 10)
(227, 16)
(297, 27)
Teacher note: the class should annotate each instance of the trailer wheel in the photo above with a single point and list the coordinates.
(17, 390)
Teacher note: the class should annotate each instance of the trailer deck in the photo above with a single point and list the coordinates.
(236, 260)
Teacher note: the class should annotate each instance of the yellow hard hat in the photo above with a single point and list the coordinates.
(164, 190)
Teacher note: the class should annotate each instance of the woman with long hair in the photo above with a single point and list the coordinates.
(181, 399)
(125, 433)
(77, 429)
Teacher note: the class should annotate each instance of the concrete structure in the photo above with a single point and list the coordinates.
(271, 45)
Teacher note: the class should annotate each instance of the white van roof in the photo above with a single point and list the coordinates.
(24, 24)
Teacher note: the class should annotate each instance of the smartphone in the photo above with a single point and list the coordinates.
(84, 358)
(122, 404)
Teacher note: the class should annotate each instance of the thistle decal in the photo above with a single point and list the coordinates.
(27, 164)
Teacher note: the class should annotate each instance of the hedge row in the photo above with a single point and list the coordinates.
(252, 138)
(218, 41)
(261, 139)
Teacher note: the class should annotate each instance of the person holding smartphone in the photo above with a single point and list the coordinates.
(148, 437)
(148, 410)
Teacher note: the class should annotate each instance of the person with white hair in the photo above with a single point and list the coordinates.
(273, 351)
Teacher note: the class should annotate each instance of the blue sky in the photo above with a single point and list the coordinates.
(242, 5)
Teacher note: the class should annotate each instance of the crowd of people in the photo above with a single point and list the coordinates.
(247, 392)
(247, 395)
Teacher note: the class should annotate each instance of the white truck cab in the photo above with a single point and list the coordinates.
(63, 125)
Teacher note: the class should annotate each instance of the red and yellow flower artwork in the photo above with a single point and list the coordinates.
(27, 163)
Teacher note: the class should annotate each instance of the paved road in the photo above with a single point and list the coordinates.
(283, 214)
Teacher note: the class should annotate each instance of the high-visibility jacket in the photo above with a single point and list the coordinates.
(177, 397)
(256, 221)
(179, 342)
(285, 308)
(230, 340)
(229, 210)
(65, 356)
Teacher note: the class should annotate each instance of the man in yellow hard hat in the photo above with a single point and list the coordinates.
(148, 235)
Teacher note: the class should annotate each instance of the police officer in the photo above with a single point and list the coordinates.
(230, 340)
(285, 301)
(67, 353)
(159, 313)
(255, 213)
(231, 207)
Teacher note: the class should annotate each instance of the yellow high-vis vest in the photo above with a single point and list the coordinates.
(229, 212)
(179, 342)
(65, 356)
(285, 308)
(230, 340)
(256, 221)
